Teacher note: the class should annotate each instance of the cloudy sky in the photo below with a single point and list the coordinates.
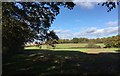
(87, 19)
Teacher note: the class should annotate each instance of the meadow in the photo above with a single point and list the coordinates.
(75, 47)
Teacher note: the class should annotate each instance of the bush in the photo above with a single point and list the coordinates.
(112, 42)
(92, 45)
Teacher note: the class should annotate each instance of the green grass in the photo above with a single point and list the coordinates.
(65, 46)
(76, 47)
(71, 45)
(101, 44)
(32, 47)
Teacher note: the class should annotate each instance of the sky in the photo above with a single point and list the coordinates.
(87, 20)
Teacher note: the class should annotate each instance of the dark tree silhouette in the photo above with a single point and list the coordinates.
(26, 21)
(52, 39)
(110, 4)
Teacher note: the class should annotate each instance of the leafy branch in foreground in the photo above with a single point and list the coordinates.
(110, 4)
(27, 21)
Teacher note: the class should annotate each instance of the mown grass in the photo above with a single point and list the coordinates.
(65, 46)
(71, 45)
(61, 46)
(76, 47)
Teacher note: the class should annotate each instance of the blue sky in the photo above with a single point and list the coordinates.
(86, 20)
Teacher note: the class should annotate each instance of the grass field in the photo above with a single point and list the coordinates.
(76, 47)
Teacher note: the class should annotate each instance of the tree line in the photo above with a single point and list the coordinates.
(113, 41)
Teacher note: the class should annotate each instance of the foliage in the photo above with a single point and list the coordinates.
(27, 21)
(13, 34)
(75, 40)
(110, 4)
(92, 45)
(51, 35)
(52, 39)
(81, 40)
(64, 41)
(113, 42)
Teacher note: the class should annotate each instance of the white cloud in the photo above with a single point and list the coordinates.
(92, 32)
(91, 0)
(89, 3)
(61, 31)
(100, 32)
(64, 34)
(57, 31)
(112, 23)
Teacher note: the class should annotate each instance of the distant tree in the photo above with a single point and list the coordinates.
(113, 41)
(64, 41)
(60, 41)
(83, 40)
(75, 40)
(92, 44)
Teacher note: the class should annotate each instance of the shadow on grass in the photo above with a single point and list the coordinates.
(61, 63)
(118, 50)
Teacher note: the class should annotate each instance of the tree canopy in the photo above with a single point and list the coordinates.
(26, 21)
(110, 4)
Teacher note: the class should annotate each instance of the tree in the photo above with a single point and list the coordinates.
(26, 21)
(75, 40)
(113, 41)
(83, 40)
(52, 39)
(109, 4)
(92, 44)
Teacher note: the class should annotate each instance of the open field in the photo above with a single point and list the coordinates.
(66, 46)
(76, 47)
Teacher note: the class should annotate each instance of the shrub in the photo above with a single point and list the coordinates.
(92, 45)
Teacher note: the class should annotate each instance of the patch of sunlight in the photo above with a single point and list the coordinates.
(52, 67)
